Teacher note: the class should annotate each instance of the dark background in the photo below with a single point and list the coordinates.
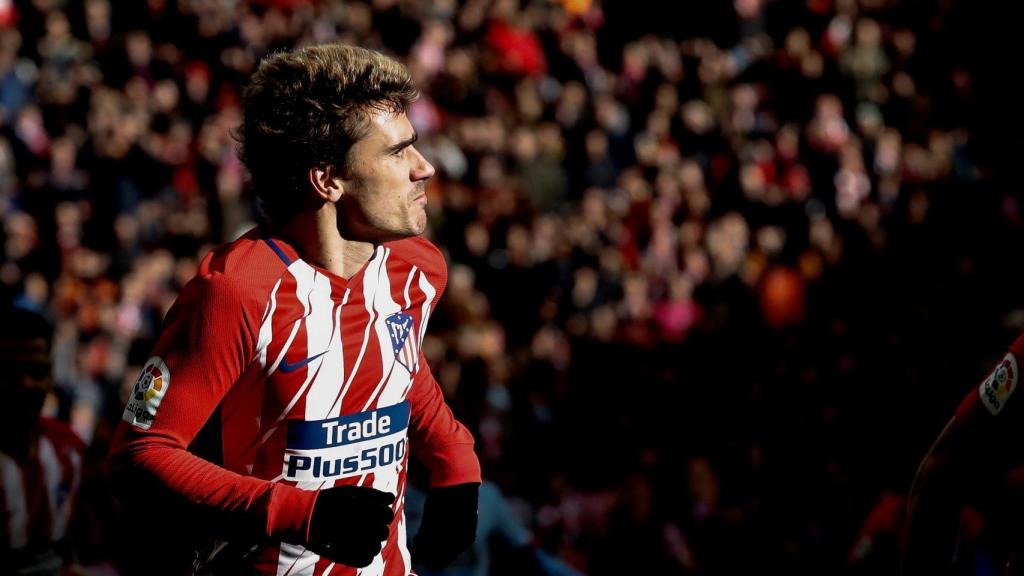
(768, 416)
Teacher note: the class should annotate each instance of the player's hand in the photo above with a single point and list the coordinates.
(349, 523)
(449, 525)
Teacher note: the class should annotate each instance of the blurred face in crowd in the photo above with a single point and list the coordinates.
(24, 382)
(384, 183)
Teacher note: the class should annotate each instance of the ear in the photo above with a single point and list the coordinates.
(326, 183)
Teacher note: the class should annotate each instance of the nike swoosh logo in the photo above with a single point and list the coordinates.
(286, 367)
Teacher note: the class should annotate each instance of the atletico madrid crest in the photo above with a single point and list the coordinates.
(406, 348)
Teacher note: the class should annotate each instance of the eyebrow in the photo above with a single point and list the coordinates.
(404, 143)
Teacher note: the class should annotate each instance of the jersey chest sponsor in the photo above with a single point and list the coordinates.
(346, 446)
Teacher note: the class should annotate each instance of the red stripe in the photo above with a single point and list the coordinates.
(398, 271)
(354, 321)
(239, 429)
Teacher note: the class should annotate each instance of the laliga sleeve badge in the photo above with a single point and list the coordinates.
(996, 389)
(148, 391)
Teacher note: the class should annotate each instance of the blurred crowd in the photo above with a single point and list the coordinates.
(711, 285)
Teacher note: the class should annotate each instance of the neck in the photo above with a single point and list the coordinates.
(316, 237)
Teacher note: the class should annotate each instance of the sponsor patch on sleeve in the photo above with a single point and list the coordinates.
(149, 389)
(1000, 384)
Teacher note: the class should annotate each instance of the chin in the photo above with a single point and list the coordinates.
(419, 225)
(394, 235)
(408, 234)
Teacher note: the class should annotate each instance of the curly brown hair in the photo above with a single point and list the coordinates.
(306, 108)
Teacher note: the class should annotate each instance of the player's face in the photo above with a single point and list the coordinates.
(384, 194)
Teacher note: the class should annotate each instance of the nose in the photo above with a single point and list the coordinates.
(421, 168)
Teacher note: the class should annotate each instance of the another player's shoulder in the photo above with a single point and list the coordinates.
(996, 389)
(1002, 381)
(421, 253)
(61, 436)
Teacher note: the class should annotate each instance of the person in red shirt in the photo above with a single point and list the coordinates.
(40, 458)
(293, 362)
(969, 455)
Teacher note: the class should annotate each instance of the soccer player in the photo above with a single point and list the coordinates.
(968, 455)
(296, 348)
(40, 458)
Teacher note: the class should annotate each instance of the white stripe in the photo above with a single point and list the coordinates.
(217, 548)
(369, 287)
(284, 349)
(321, 328)
(17, 508)
(267, 327)
(323, 334)
(391, 389)
(408, 281)
(295, 560)
(51, 476)
(429, 292)
(305, 278)
(341, 336)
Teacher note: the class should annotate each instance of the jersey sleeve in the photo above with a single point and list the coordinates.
(997, 392)
(206, 346)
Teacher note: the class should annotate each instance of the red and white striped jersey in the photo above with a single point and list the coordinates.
(319, 381)
(38, 493)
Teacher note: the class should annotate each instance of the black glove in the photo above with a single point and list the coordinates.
(349, 524)
(448, 527)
